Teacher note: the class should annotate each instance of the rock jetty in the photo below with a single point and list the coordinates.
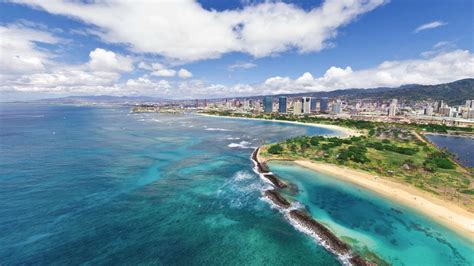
(277, 199)
(303, 219)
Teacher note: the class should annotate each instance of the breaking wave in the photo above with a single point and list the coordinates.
(241, 145)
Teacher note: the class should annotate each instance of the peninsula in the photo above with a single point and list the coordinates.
(392, 160)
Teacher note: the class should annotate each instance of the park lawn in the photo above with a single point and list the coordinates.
(454, 184)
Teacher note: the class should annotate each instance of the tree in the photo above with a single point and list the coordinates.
(275, 149)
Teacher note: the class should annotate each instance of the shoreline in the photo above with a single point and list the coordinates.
(460, 135)
(345, 131)
(446, 213)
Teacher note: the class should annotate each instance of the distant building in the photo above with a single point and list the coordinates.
(246, 105)
(439, 105)
(470, 104)
(297, 107)
(282, 104)
(446, 111)
(313, 104)
(392, 108)
(428, 111)
(268, 104)
(468, 114)
(323, 104)
(337, 107)
(306, 102)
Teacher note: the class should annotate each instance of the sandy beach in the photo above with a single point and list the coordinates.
(343, 131)
(449, 214)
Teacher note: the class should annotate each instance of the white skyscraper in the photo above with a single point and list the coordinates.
(392, 109)
(297, 107)
(337, 107)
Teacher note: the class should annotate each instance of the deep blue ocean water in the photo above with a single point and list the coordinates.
(81, 184)
(463, 147)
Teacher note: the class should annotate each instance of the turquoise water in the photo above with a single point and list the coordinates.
(100, 186)
(394, 232)
(463, 147)
(96, 185)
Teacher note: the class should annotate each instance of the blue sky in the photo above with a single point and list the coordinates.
(188, 49)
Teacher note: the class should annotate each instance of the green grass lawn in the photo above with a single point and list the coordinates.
(406, 160)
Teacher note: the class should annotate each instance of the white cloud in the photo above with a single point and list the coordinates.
(25, 67)
(241, 65)
(431, 25)
(19, 52)
(107, 61)
(164, 73)
(183, 30)
(441, 68)
(160, 70)
(184, 73)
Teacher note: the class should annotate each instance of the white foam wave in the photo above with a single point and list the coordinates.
(241, 145)
(232, 138)
(216, 129)
(242, 175)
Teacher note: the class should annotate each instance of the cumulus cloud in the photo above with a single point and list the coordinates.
(107, 61)
(25, 67)
(19, 52)
(164, 28)
(164, 73)
(431, 25)
(442, 67)
(184, 73)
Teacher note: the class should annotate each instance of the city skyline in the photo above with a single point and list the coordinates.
(55, 48)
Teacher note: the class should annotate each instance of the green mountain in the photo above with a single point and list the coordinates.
(453, 93)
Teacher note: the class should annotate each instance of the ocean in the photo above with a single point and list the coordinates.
(98, 185)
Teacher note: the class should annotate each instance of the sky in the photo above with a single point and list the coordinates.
(186, 49)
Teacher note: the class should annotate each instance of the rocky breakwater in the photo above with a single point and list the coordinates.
(302, 220)
(277, 199)
(264, 172)
(330, 241)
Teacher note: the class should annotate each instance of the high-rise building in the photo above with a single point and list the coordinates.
(439, 106)
(470, 103)
(337, 107)
(428, 110)
(306, 102)
(297, 107)
(246, 105)
(282, 108)
(392, 109)
(323, 105)
(313, 104)
(446, 111)
(468, 114)
(268, 104)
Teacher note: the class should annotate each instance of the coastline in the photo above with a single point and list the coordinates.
(446, 213)
(345, 132)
